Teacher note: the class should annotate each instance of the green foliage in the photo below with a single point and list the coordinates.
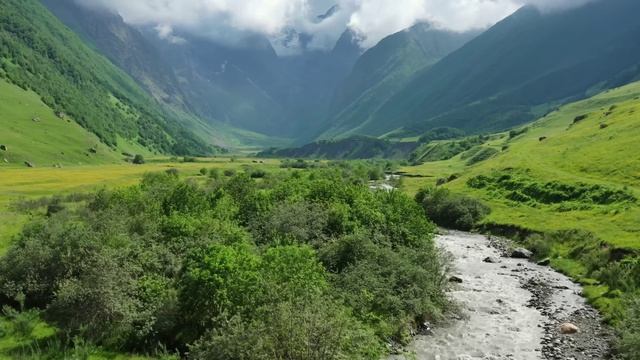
(629, 344)
(438, 151)
(138, 159)
(517, 132)
(443, 133)
(519, 187)
(310, 264)
(451, 211)
(483, 153)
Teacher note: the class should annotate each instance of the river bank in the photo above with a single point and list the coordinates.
(510, 309)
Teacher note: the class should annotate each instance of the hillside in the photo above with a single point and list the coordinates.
(574, 169)
(518, 70)
(37, 52)
(352, 148)
(385, 69)
(31, 132)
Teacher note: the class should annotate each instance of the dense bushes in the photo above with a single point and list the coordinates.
(301, 264)
(451, 211)
(629, 344)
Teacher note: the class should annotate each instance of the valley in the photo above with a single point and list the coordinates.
(307, 181)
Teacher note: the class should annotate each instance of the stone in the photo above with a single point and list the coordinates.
(29, 164)
(568, 328)
(3, 148)
(521, 253)
(490, 260)
(544, 262)
(455, 279)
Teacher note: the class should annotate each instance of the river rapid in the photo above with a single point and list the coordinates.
(509, 309)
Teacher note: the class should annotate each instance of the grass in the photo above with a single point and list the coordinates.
(571, 153)
(32, 132)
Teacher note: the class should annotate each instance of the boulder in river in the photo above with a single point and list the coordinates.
(544, 262)
(568, 328)
(521, 253)
(455, 279)
(491, 260)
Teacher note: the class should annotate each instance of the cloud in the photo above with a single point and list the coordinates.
(285, 21)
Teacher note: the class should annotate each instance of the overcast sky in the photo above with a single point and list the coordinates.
(372, 20)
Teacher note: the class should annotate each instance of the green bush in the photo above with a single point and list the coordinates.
(451, 211)
(629, 343)
(138, 159)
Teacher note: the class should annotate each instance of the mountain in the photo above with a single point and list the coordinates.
(520, 68)
(124, 45)
(384, 69)
(245, 85)
(356, 147)
(38, 53)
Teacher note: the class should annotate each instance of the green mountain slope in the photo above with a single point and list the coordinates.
(37, 52)
(592, 142)
(31, 132)
(519, 69)
(356, 147)
(385, 69)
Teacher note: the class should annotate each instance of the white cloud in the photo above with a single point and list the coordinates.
(230, 20)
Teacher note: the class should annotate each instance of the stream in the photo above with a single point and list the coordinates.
(509, 309)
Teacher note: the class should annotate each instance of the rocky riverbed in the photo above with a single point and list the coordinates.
(510, 309)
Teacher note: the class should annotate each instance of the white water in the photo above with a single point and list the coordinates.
(496, 321)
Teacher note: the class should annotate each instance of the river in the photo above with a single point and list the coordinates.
(510, 309)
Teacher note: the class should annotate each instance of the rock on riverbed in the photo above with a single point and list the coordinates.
(513, 311)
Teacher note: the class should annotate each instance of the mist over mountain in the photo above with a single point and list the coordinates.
(519, 69)
(302, 70)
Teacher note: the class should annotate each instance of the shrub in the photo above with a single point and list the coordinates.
(258, 174)
(451, 211)
(515, 133)
(580, 118)
(629, 343)
(138, 159)
(204, 171)
(214, 173)
(483, 154)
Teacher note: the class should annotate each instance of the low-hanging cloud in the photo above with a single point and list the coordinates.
(282, 20)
